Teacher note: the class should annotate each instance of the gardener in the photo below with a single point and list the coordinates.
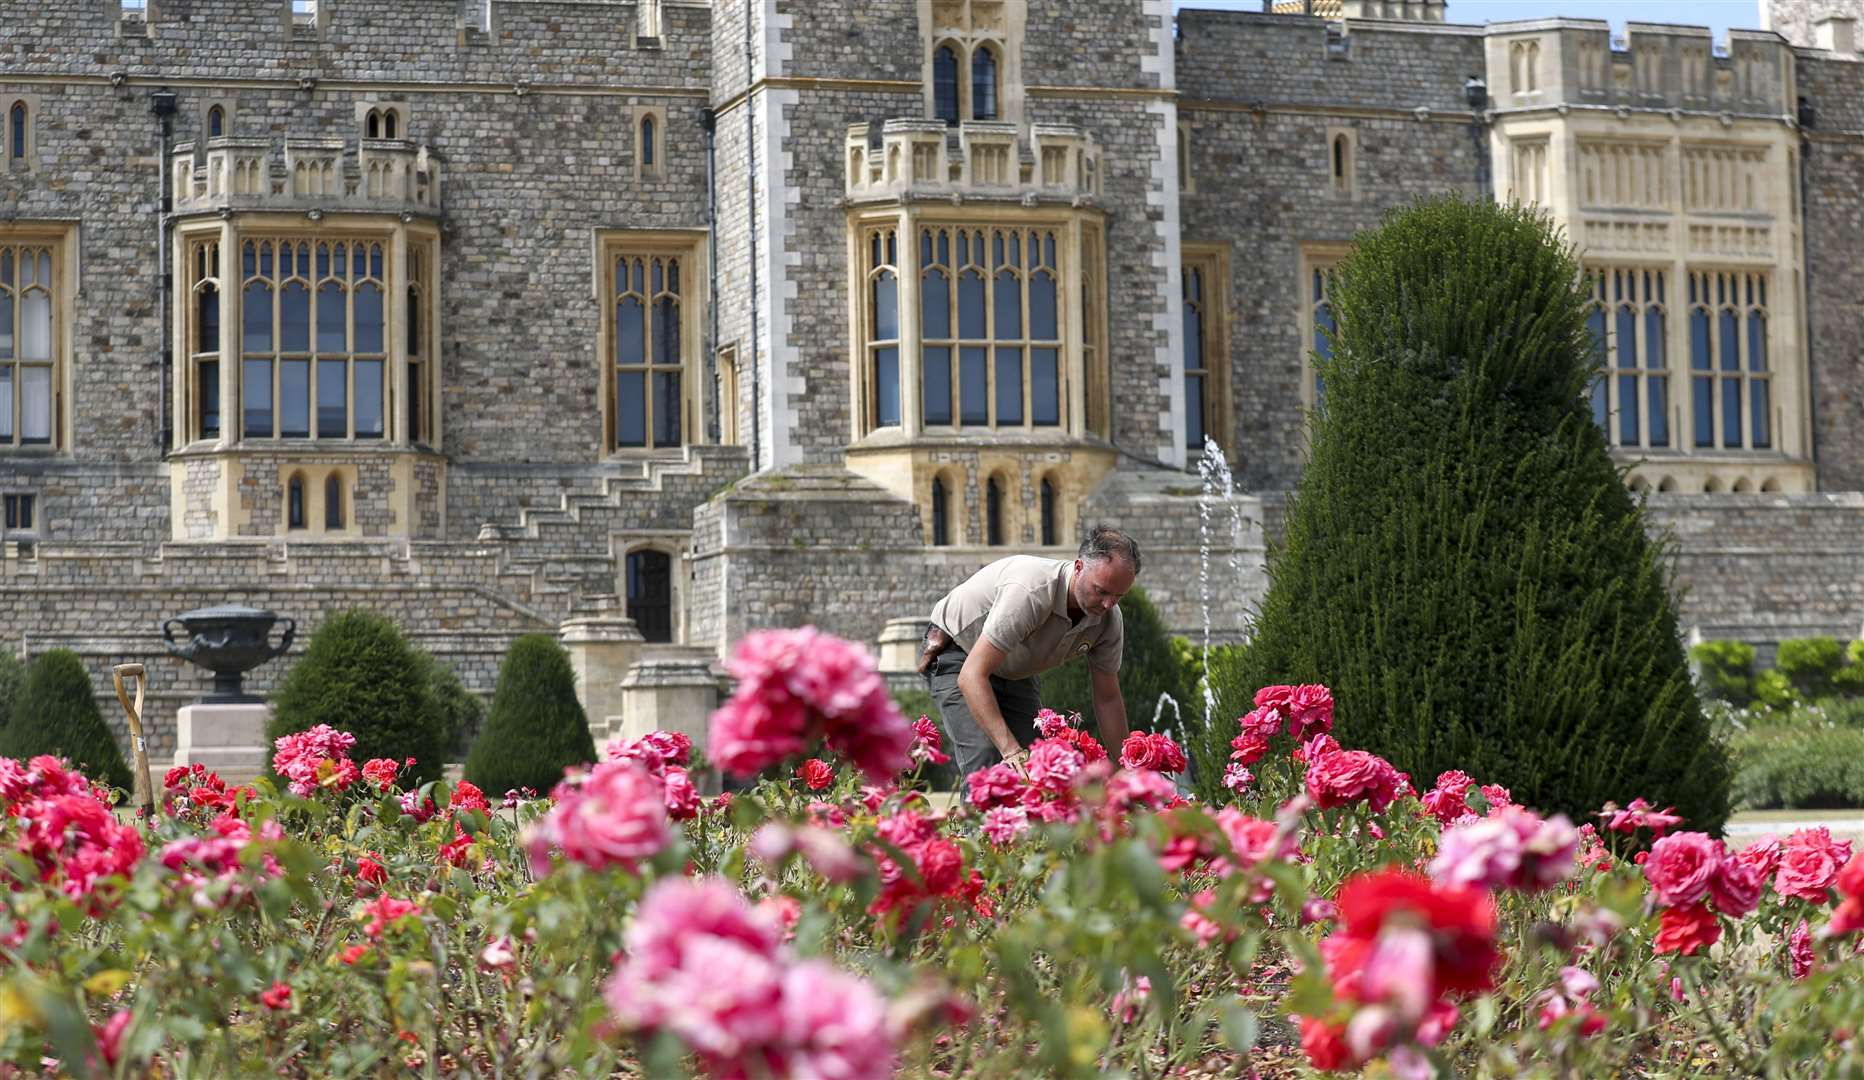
(992, 636)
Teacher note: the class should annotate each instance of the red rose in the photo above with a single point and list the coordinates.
(816, 773)
(1686, 929)
(278, 997)
(1461, 922)
(1324, 1045)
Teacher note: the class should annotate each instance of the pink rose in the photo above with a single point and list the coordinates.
(1003, 824)
(1736, 887)
(1143, 750)
(616, 816)
(1342, 777)
(1310, 712)
(997, 785)
(1809, 864)
(1680, 867)
(1264, 723)
(1449, 800)
(1053, 764)
(1762, 855)
(682, 797)
(797, 686)
(1248, 748)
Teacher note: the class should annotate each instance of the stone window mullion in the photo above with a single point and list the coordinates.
(910, 325)
(394, 408)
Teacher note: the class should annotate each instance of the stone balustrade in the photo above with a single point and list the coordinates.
(310, 175)
(910, 158)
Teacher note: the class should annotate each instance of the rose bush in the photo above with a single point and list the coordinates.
(1080, 917)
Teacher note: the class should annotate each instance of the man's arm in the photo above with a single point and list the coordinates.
(1109, 709)
(974, 682)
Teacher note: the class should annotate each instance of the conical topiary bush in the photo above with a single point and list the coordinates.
(57, 714)
(536, 727)
(1462, 563)
(360, 675)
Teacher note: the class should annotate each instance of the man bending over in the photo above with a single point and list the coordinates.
(991, 637)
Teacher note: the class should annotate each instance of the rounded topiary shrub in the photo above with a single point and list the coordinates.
(536, 727)
(458, 711)
(56, 713)
(1462, 562)
(361, 676)
(1150, 666)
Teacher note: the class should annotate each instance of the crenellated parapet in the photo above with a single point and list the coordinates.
(1575, 63)
(908, 158)
(394, 176)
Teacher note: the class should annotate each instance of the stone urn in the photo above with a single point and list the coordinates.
(228, 641)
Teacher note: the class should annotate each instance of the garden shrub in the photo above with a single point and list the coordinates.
(1800, 766)
(536, 727)
(1773, 690)
(361, 676)
(1151, 666)
(458, 711)
(1810, 664)
(56, 713)
(1727, 669)
(12, 681)
(1462, 563)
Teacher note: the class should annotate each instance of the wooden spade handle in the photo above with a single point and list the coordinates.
(144, 795)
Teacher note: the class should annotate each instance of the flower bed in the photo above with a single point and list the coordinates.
(1076, 918)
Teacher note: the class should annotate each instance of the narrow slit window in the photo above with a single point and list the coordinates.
(216, 122)
(993, 512)
(294, 502)
(647, 142)
(941, 513)
(333, 502)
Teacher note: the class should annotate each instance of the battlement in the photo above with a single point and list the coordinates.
(1542, 63)
(305, 175)
(977, 158)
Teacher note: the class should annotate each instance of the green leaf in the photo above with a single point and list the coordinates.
(1240, 1029)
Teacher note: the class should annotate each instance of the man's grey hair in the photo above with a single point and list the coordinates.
(1107, 542)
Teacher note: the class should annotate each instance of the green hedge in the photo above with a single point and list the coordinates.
(1803, 766)
(360, 675)
(1462, 563)
(536, 727)
(57, 714)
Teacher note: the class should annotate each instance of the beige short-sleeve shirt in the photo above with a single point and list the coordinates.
(1021, 605)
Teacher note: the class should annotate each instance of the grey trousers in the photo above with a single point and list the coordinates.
(971, 749)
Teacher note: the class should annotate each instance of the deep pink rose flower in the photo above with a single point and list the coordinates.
(1809, 863)
(1680, 867)
(1150, 750)
(1342, 777)
(616, 816)
(1310, 711)
(795, 686)
(1448, 802)
(1736, 887)
(1264, 723)
(1053, 764)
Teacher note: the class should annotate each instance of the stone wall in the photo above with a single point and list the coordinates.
(1833, 159)
(1257, 97)
(1764, 568)
(818, 545)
